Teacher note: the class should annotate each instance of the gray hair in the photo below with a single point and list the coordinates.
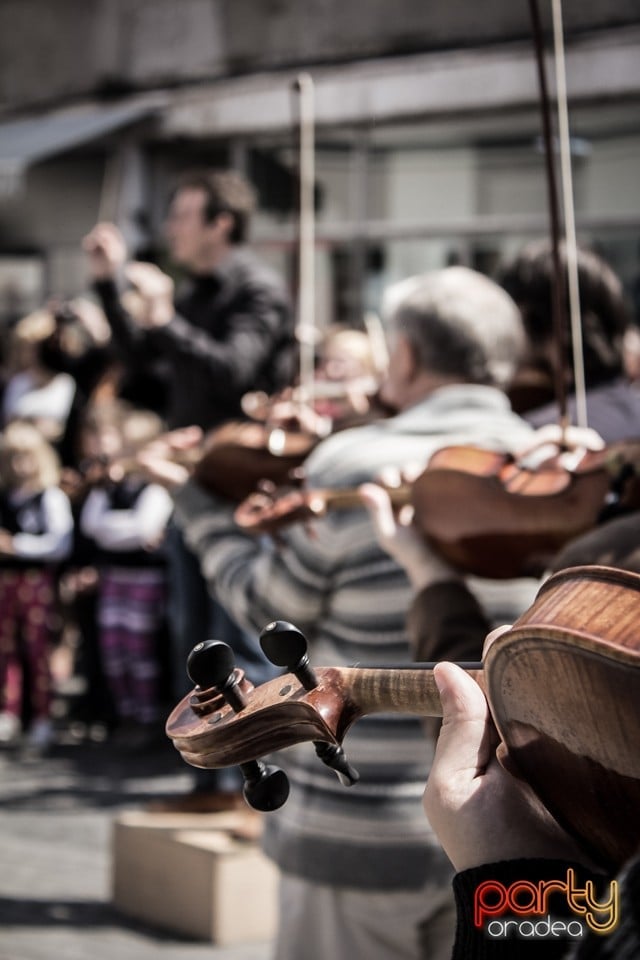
(459, 323)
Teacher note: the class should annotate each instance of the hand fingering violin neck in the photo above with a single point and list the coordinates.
(562, 685)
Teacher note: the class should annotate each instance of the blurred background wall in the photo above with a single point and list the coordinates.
(428, 143)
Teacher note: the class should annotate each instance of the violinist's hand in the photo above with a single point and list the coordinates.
(574, 442)
(106, 251)
(572, 437)
(93, 320)
(155, 290)
(397, 534)
(300, 418)
(479, 811)
(159, 460)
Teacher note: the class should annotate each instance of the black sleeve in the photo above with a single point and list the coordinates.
(623, 943)
(480, 937)
(234, 363)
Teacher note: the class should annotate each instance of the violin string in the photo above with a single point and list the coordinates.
(571, 245)
(306, 239)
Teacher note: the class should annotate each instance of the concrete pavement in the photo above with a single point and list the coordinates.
(56, 819)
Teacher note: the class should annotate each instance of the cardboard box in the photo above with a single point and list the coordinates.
(188, 874)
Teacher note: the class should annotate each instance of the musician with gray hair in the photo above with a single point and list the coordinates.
(362, 874)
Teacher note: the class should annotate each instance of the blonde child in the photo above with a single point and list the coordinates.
(36, 530)
(33, 391)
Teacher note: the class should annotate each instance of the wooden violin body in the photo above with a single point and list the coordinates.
(488, 515)
(239, 455)
(563, 685)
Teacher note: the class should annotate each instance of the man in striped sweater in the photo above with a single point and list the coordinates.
(363, 876)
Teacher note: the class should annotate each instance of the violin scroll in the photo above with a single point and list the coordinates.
(226, 721)
(211, 666)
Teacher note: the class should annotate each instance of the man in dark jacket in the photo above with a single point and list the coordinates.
(228, 332)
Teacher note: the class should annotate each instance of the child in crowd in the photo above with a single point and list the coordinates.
(347, 359)
(36, 528)
(34, 391)
(347, 375)
(126, 518)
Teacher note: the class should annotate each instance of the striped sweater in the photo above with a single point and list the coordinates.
(350, 599)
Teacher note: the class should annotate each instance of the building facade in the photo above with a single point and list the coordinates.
(427, 132)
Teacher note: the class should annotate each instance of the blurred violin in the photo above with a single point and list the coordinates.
(97, 471)
(241, 455)
(238, 456)
(493, 515)
(562, 684)
(487, 513)
(269, 510)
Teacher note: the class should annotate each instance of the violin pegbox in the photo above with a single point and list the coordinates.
(226, 721)
(210, 665)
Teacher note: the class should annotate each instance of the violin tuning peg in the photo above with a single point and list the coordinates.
(211, 664)
(266, 787)
(284, 645)
(333, 756)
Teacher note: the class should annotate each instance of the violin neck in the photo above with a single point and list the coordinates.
(408, 690)
(347, 498)
(128, 463)
(333, 389)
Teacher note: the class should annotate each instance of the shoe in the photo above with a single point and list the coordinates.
(10, 728)
(199, 801)
(40, 734)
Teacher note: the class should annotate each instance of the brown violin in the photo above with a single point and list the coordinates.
(486, 513)
(562, 684)
(490, 514)
(238, 455)
(269, 510)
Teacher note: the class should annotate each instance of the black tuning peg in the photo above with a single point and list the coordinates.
(333, 755)
(285, 646)
(266, 787)
(211, 664)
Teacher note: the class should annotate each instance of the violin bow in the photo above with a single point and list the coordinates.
(558, 286)
(571, 245)
(303, 86)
